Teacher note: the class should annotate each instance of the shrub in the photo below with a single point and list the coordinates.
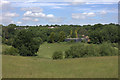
(11, 51)
(61, 36)
(51, 38)
(75, 51)
(93, 50)
(57, 55)
(107, 50)
(82, 50)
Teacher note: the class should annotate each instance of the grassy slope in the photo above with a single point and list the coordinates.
(27, 67)
(46, 50)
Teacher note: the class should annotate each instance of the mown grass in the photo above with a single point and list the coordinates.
(32, 67)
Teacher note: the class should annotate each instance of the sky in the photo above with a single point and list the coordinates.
(36, 12)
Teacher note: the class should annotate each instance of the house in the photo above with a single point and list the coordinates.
(73, 39)
(84, 38)
(52, 27)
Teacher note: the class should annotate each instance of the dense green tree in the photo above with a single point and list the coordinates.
(61, 36)
(26, 43)
(104, 33)
(12, 25)
(52, 37)
(76, 34)
(71, 33)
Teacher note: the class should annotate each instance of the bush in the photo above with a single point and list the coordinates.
(82, 50)
(57, 55)
(107, 50)
(75, 51)
(11, 51)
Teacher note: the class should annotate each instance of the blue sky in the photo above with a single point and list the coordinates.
(42, 13)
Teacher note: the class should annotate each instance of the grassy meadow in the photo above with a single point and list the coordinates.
(43, 66)
(31, 67)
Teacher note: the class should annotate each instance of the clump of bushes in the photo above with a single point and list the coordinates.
(106, 49)
(11, 51)
(86, 50)
(57, 55)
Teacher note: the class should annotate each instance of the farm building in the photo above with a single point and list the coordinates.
(77, 39)
(74, 39)
(84, 38)
(52, 27)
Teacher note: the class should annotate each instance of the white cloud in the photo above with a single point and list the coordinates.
(29, 19)
(8, 14)
(64, 0)
(57, 7)
(50, 16)
(40, 4)
(103, 12)
(90, 14)
(33, 9)
(19, 22)
(7, 18)
(27, 1)
(5, 5)
(77, 2)
(37, 14)
(78, 16)
(82, 15)
(26, 18)
(12, 22)
(34, 14)
(28, 13)
(3, 2)
(56, 20)
(36, 20)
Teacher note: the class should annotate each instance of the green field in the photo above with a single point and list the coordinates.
(31, 67)
(45, 67)
(46, 49)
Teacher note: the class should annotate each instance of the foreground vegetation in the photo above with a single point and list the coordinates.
(69, 50)
(82, 50)
(76, 50)
(32, 67)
